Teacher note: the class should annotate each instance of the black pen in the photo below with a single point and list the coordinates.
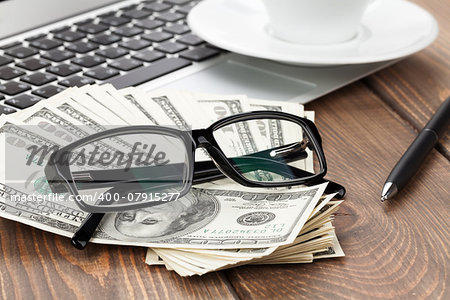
(411, 160)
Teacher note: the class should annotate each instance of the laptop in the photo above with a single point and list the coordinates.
(49, 45)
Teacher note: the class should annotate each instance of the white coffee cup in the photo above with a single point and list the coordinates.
(315, 21)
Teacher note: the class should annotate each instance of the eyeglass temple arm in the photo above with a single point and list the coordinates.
(204, 171)
(207, 171)
(84, 233)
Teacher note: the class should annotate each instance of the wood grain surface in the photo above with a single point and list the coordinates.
(397, 249)
(38, 264)
(415, 87)
(394, 250)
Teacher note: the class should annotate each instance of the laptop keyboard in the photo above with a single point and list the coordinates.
(127, 47)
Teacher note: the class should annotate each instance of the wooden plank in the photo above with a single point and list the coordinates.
(38, 264)
(416, 86)
(397, 249)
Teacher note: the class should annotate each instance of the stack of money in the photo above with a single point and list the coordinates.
(314, 239)
(216, 226)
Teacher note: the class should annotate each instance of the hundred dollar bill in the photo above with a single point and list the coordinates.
(275, 132)
(184, 117)
(218, 219)
(104, 101)
(202, 219)
(138, 101)
(37, 182)
(320, 242)
(235, 140)
(332, 251)
(125, 107)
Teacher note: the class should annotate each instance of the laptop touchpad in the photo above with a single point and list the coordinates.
(233, 77)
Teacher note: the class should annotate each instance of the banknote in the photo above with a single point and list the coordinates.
(216, 225)
(218, 219)
(138, 101)
(200, 219)
(207, 204)
(319, 242)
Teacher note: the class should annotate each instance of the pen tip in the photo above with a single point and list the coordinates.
(389, 190)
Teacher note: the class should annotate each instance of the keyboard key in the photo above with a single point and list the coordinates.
(33, 64)
(101, 73)
(157, 7)
(76, 81)
(82, 47)
(190, 39)
(148, 55)
(128, 31)
(115, 21)
(10, 45)
(150, 72)
(177, 2)
(57, 55)
(184, 9)
(171, 47)
(35, 37)
(7, 73)
(92, 28)
(63, 69)
(59, 29)
(200, 53)
(88, 61)
(4, 110)
(107, 14)
(38, 78)
(136, 14)
(177, 28)
(105, 39)
(45, 44)
(47, 91)
(125, 64)
(21, 52)
(85, 21)
(170, 17)
(5, 60)
(69, 36)
(135, 44)
(23, 101)
(112, 52)
(157, 36)
(149, 24)
(129, 7)
(12, 88)
(214, 47)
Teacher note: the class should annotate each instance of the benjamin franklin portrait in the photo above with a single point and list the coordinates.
(164, 221)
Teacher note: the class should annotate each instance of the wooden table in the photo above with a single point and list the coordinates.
(397, 249)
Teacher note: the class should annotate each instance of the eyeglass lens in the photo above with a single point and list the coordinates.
(269, 150)
(125, 169)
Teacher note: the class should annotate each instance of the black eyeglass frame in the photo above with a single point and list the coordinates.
(58, 173)
(199, 138)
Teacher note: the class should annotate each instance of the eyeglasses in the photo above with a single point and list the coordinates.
(140, 166)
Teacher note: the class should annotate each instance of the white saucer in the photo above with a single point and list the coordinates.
(390, 29)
